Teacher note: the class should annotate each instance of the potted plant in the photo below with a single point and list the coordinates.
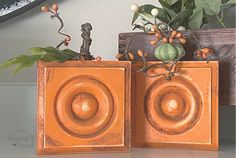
(81, 106)
(190, 18)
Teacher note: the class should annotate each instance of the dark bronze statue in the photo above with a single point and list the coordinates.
(84, 49)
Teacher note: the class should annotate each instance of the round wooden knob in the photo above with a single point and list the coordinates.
(84, 106)
(173, 107)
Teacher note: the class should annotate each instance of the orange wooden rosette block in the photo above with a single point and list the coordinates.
(181, 113)
(83, 106)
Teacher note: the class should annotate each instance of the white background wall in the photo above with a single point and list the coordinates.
(34, 28)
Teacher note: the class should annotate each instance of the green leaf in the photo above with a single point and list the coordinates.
(224, 1)
(196, 18)
(230, 2)
(189, 4)
(53, 54)
(46, 54)
(163, 15)
(25, 61)
(227, 5)
(146, 11)
(72, 54)
(8, 63)
(177, 7)
(167, 8)
(22, 61)
(37, 51)
(210, 7)
(170, 2)
(182, 16)
(135, 17)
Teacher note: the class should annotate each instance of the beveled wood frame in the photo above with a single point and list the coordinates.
(202, 133)
(45, 74)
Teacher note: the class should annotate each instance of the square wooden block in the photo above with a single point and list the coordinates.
(83, 106)
(181, 113)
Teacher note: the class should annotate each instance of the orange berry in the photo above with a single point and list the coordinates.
(154, 42)
(98, 58)
(158, 35)
(198, 53)
(55, 7)
(140, 53)
(131, 56)
(204, 56)
(173, 34)
(171, 40)
(45, 8)
(182, 40)
(164, 40)
(68, 38)
(205, 50)
(178, 35)
(155, 27)
(66, 43)
(151, 32)
(119, 55)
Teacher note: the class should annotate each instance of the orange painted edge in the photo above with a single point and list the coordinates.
(214, 65)
(40, 113)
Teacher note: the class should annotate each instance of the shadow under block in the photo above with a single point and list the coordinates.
(181, 113)
(83, 107)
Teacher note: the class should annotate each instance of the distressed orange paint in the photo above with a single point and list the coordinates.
(83, 106)
(181, 113)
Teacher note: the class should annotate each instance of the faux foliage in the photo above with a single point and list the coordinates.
(46, 54)
(192, 14)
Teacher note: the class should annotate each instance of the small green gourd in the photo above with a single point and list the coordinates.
(168, 52)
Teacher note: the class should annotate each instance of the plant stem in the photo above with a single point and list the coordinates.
(196, 39)
(56, 15)
(144, 19)
(220, 21)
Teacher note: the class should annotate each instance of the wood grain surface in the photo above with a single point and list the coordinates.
(180, 113)
(84, 106)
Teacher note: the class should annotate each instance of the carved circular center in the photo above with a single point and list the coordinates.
(84, 106)
(172, 105)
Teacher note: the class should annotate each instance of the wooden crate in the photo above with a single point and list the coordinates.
(83, 107)
(221, 40)
(181, 113)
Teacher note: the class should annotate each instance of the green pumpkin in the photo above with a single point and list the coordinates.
(168, 52)
(180, 50)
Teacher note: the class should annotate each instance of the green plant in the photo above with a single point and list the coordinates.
(49, 54)
(168, 41)
(189, 14)
(46, 54)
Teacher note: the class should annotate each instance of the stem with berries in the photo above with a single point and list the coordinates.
(54, 11)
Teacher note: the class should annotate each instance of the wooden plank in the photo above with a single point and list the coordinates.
(221, 40)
